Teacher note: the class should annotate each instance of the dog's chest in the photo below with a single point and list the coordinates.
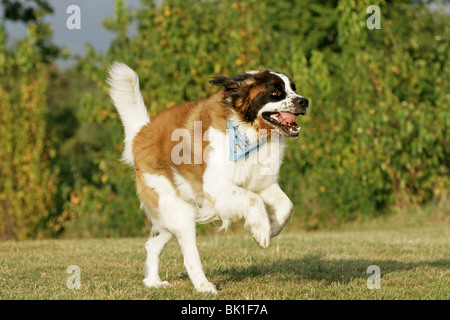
(253, 173)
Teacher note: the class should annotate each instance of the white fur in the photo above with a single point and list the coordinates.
(185, 189)
(176, 218)
(235, 186)
(127, 98)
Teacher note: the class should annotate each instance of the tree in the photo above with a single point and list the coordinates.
(33, 11)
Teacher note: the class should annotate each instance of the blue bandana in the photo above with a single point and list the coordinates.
(240, 147)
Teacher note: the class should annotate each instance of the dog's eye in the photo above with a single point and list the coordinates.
(275, 93)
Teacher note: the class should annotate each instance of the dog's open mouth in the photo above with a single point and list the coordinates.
(285, 121)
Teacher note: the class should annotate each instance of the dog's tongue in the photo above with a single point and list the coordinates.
(286, 117)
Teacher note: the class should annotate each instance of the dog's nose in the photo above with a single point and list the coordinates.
(302, 102)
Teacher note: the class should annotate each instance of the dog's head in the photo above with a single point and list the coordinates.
(264, 100)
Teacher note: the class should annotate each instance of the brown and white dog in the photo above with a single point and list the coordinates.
(209, 159)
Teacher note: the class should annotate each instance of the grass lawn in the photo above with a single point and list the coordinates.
(414, 262)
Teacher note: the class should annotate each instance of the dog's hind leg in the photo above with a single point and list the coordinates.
(187, 240)
(178, 217)
(181, 216)
(154, 247)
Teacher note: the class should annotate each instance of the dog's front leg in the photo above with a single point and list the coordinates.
(233, 203)
(279, 205)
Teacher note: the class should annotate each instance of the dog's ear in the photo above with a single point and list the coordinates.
(222, 81)
(239, 81)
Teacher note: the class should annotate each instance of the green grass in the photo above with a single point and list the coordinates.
(414, 263)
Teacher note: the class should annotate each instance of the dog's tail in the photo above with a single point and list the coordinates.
(127, 98)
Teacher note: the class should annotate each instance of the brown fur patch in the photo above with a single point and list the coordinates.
(148, 196)
(255, 91)
(153, 145)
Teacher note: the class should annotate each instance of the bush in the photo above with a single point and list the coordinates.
(376, 136)
(378, 126)
(28, 184)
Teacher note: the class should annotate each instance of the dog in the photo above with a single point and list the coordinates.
(209, 159)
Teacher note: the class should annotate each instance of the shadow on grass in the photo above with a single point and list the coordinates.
(313, 267)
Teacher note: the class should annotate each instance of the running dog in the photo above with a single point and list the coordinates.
(209, 159)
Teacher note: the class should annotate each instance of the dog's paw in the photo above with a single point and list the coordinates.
(261, 235)
(206, 287)
(156, 284)
(275, 227)
(277, 224)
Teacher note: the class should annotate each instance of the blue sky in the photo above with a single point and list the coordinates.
(92, 31)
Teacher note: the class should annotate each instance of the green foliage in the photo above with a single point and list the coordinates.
(376, 136)
(27, 185)
(378, 125)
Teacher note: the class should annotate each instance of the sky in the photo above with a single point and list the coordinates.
(92, 14)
